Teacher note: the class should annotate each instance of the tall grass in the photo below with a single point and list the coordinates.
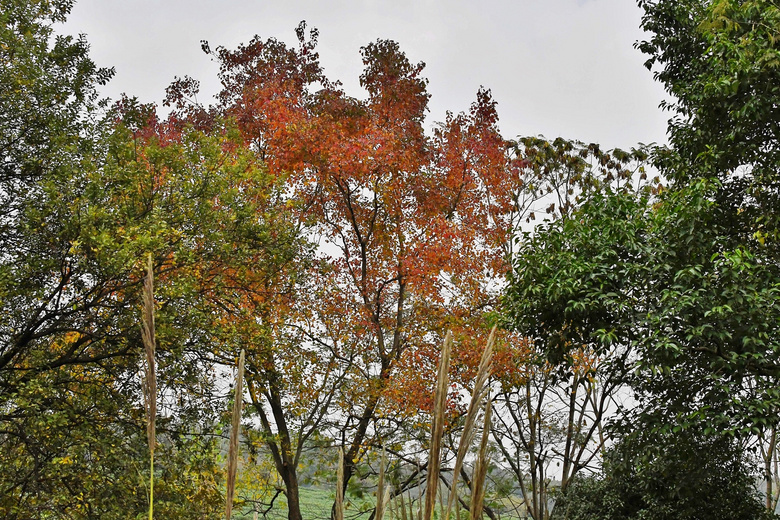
(235, 426)
(437, 428)
(150, 379)
(481, 466)
(480, 393)
(381, 499)
(338, 514)
(477, 395)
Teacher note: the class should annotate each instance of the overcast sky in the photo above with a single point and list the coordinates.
(556, 67)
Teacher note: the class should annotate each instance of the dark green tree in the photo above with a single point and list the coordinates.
(682, 285)
(689, 276)
(721, 63)
(685, 475)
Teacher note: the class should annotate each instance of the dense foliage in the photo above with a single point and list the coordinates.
(687, 476)
(335, 241)
(678, 285)
(87, 192)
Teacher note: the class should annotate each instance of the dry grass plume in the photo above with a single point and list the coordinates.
(437, 428)
(150, 375)
(235, 427)
(477, 395)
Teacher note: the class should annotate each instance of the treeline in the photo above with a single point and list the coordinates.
(336, 242)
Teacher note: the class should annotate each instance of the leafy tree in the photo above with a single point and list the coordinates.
(719, 60)
(45, 110)
(681, 284)
(573, 294)
(86, 195)
(574, 282)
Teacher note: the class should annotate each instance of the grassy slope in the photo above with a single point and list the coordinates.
(315, 505)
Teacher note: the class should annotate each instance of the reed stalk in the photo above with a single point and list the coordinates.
(380, 489)
(480, 468)
(402, 506)
(339, 505)
(437, 427)
(441, 498)
(150, 377)
(386, 509)
(235, 427)
(391, 506)
(478, 393)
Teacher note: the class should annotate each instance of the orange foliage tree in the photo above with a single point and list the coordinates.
(409, 227)
(413, 234)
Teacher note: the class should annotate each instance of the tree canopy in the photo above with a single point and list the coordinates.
(679, 284)
(336, 240)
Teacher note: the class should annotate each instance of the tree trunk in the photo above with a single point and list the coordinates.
(281, 449)
(769, 457)
(293, 495)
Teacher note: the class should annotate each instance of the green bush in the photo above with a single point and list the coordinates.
(663, 476)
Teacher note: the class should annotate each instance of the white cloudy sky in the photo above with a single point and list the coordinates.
(556, 67)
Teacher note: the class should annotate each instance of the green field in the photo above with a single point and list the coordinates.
(316, 504)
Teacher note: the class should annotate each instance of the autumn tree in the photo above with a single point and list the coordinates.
(410, 229)
(87, 193)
